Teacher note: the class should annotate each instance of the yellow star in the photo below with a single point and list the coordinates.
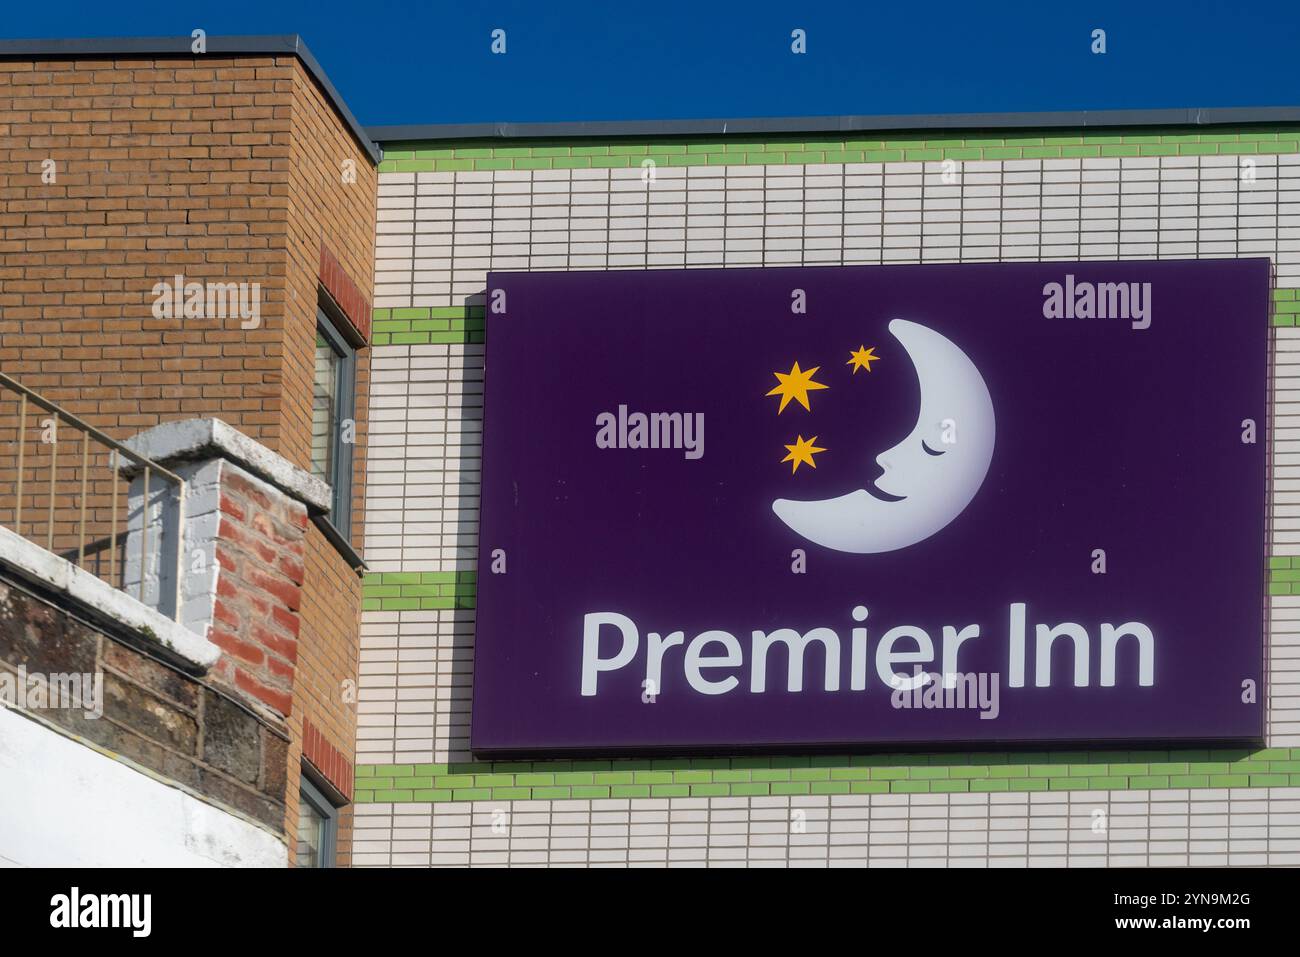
(796, 385)
(862, 359)
(801, 451)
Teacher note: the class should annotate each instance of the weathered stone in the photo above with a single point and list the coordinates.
(275, 764)
(45, 641)
(132, 706)
(249, 802)
(182, 770)
(115, 738)
(231, 738)
(157, 677)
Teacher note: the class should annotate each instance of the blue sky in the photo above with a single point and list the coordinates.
(430, 61)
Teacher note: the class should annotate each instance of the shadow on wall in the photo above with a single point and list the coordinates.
(460, 696)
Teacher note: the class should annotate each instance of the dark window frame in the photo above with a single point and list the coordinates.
(315, 798)
(345, 407)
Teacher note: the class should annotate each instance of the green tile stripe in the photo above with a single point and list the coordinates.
(1284, 575)
(404, 591)
(431, 325)
(703, 151)
(1286, 308)
(409, 591)
(859, 774)
(465, 324)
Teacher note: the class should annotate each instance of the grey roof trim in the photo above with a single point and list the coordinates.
(111, 47)
(1068, 119)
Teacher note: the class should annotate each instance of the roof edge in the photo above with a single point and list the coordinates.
(179, 46)
(1064, 119)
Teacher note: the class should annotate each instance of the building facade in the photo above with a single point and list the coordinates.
(133, 173)
(349, 410)
(453, 208)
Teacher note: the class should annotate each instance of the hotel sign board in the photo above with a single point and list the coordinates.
(870, 507)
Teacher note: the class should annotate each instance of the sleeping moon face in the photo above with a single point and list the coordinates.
(930, 476)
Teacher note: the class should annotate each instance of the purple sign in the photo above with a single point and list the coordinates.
(857, 507)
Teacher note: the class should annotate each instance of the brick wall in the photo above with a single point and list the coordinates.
(162, 166)
(332, 207)
(255, 618)
(220, 168)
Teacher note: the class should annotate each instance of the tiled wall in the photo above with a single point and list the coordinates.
(1216, 828)
(448, 214)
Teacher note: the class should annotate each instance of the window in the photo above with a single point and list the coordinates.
(318, 823)
(332, 410)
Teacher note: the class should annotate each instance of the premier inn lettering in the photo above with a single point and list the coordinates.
(713, 661)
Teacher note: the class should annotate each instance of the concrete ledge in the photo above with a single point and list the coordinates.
(191, 439)
(46, 569)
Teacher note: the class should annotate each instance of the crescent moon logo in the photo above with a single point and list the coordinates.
(930, 477)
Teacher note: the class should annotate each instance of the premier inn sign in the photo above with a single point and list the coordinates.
(937, 505)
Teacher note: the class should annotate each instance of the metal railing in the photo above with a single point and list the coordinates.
(148, 469)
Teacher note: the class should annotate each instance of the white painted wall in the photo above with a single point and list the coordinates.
(63, 804)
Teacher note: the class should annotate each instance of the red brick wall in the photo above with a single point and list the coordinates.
(333, 765)
(259, 552)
